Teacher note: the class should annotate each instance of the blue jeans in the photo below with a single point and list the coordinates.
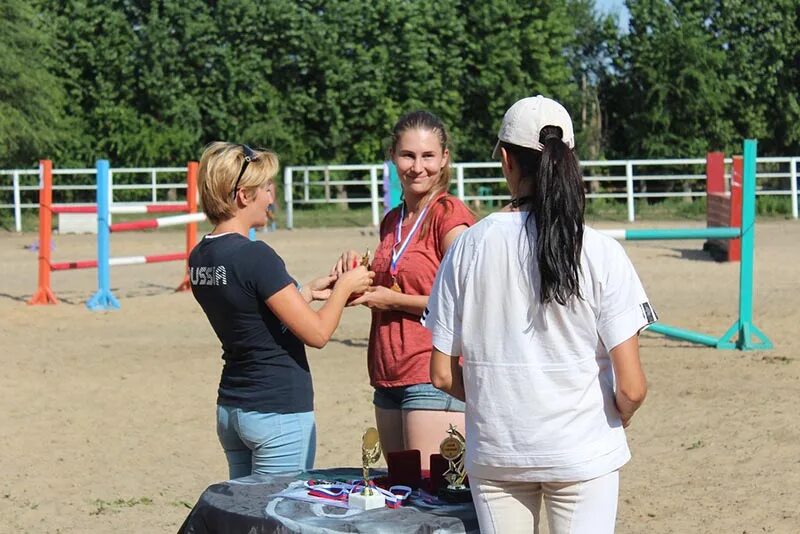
(265, 443)
(416, 397)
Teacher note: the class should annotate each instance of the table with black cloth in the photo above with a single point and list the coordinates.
(249, 505)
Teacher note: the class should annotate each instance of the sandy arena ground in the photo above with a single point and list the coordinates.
(108, 418)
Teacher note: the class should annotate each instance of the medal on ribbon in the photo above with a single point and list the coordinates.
(400, 244)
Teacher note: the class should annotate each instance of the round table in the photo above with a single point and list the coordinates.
(250, 506)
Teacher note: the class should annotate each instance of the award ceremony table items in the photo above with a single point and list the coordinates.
(452, 449)
(257, 504)
(405, 467)
(368, 498)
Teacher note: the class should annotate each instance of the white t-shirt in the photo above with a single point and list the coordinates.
(538, 379)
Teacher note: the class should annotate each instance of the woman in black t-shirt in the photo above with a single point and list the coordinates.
(262, 317)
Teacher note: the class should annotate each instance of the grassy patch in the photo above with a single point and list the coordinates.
(696, 445)
(102, 506)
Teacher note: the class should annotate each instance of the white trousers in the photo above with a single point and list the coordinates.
(588, 507)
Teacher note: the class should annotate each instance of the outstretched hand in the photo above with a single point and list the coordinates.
(376, 298)
(321, 287)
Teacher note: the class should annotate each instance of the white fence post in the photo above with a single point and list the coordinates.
(17, 214)
(793, 185)
(460, 181)
(629, 191)
(110, 194)
(305, 185)
(287, 197)
(373, 179)
(153, 181)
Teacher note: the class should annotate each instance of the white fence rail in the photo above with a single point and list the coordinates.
(619, 179)
(319, 184)
(151, 182)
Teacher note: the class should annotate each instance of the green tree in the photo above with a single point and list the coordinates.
(761, 39)
(132, 72)
(672, 94)
(589, 56)
(32, 119)
(96, 47)
(426, 67)
(241, 97)
(512, 50)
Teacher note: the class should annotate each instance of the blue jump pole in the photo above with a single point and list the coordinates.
(103, 299)
(682, 333)
(682, 233)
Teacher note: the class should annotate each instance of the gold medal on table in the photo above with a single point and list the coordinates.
(395, 285)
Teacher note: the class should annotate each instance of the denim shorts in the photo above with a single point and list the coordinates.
(416, 397)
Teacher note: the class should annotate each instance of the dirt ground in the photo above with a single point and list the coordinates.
(108, 417)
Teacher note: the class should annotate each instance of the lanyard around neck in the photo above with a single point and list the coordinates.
(398, 252)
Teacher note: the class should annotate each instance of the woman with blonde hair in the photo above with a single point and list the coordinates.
(262, 317)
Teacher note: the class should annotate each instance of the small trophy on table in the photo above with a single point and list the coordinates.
(368, 498)
(452, 449)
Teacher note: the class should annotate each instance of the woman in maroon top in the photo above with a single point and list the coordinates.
(411, 413)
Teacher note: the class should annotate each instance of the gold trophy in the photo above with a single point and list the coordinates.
(368, 498)
(365, 262)
(452, 449)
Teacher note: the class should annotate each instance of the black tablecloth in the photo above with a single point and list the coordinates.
(249, 506)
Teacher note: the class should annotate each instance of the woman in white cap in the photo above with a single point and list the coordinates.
(546, 313)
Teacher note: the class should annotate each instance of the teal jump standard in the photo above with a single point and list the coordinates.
(743, 334)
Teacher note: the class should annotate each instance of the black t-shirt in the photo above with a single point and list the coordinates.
(265, 369)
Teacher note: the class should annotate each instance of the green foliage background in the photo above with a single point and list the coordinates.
(147, 83)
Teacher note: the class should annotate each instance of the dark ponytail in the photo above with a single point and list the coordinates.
(555, 199)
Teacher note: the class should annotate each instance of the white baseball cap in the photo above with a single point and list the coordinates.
(524, 121)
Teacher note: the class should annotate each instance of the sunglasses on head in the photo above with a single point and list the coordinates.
(249, 156)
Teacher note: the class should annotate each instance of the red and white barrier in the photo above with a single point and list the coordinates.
(161, 222)
(44, 294)
(145, 208)
(122, 260)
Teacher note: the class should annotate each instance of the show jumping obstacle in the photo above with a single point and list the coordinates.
(723, 208)
(743, 329)
(103, 298)
(731, 217)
